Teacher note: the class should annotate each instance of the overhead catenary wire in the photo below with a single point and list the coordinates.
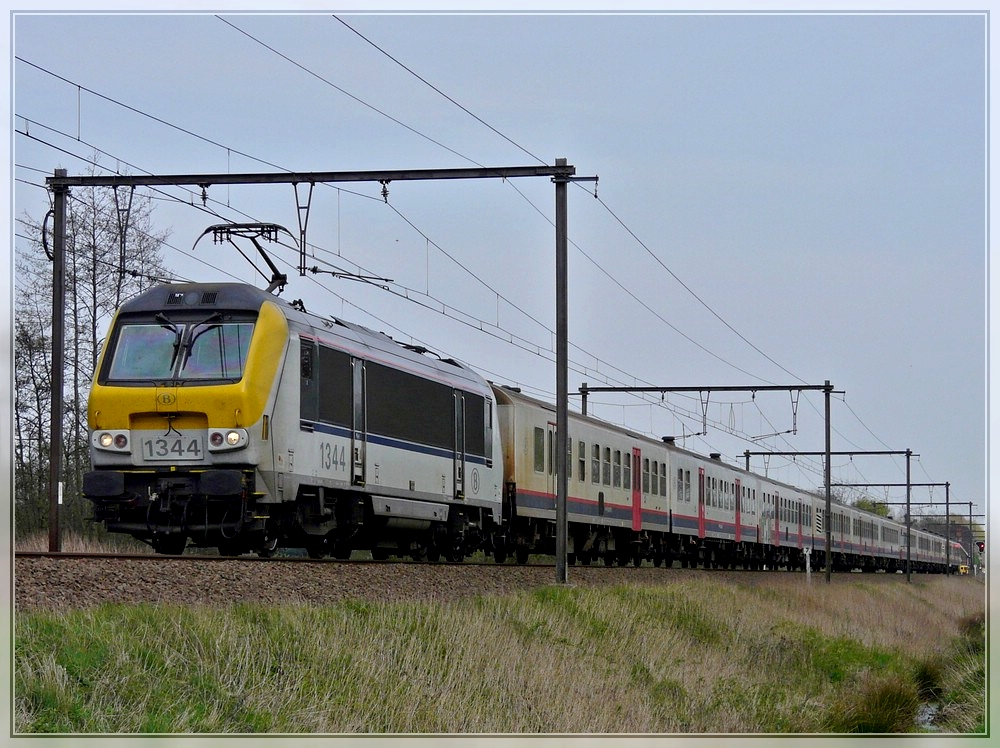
(601, 201)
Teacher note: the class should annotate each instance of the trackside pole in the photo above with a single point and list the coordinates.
(562, 375)
(59, 195)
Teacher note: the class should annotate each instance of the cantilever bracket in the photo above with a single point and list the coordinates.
(303, 213)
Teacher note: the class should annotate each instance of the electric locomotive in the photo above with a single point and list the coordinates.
(223, 416)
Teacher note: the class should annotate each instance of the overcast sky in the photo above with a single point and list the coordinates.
(783, 198)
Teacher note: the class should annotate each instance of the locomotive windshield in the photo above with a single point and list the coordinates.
(163, 350)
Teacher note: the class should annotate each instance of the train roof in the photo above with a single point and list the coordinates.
(196, 296)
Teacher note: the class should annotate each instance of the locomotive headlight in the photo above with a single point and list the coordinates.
(112, 441)
(220, 441)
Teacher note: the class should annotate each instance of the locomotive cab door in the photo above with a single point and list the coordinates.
(359, 430)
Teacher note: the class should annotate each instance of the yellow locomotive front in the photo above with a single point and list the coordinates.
(178, 416)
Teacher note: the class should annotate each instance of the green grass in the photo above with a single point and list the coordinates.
(697, 656)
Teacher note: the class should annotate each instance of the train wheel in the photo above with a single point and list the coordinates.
(268, 549)
(637, 560)
(230, 549)
(433, 554)
(170, 545)
(317, 548)
(499, 555)
(584, 558)
(521, 554)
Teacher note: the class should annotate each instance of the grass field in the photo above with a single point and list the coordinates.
(782, 656)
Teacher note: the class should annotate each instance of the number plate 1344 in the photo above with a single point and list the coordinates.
(173, 446)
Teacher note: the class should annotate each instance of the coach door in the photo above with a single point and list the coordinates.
(359, 428)
(777, 520)
(701, 502)
(551, 476)
(739, 511)
(459, 445)
(636, 489)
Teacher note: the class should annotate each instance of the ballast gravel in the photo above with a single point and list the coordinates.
(46, 582)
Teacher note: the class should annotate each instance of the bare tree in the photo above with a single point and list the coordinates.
(112, 253)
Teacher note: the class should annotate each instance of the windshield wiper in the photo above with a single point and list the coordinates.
(193, 336)
(165, 322)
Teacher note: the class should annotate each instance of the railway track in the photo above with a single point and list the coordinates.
(45, 580)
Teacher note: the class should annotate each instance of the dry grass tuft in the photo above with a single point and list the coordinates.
(876, 704)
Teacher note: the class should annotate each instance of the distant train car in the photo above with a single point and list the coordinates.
(632, 498)
(223, 416)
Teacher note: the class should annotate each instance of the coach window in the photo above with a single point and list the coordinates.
(606, 465)
(616, 475)
(539, 450)
(582, 452)
(403, 406)
(645, 475)
(334, 393)
(478, 429)
(654, 481)
(663, 479)
(627, 471)
(595, 464)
